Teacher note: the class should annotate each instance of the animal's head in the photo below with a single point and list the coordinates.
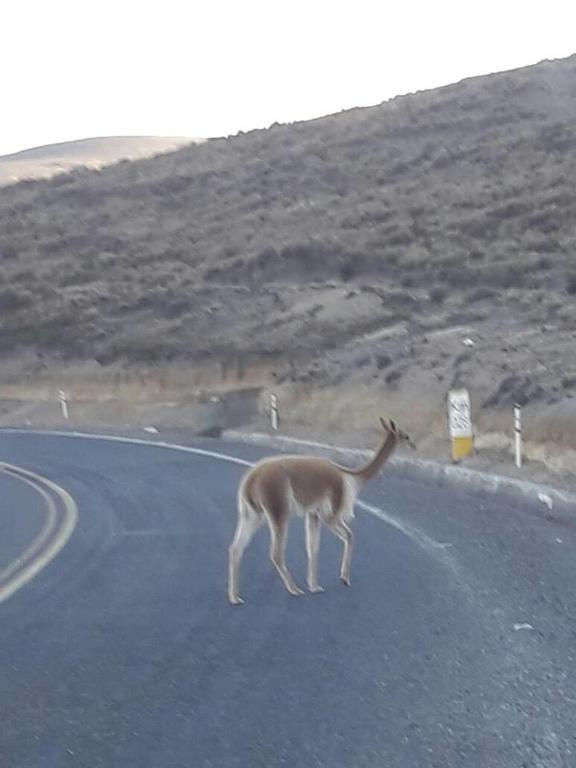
(393, 429)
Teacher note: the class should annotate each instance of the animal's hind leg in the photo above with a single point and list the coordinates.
(312, 547)
(345, 534)
(278, 533)
(248, 523)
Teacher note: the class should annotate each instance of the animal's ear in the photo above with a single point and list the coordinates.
(386, 427)
(393, 427)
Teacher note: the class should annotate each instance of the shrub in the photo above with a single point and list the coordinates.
(393, 377)
(571, 283)
(438, 294)
(383, 361)
(12, 299)
(482, 293)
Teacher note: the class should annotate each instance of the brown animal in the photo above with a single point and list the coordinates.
(318, 490)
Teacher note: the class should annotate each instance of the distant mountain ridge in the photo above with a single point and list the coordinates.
(96, 152)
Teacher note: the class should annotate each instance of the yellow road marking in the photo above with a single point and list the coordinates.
(40, 540)
(55, 532)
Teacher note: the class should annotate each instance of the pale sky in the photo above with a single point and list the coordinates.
(79, 68)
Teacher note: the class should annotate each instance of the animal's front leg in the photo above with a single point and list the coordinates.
(312, 548)
(278, 533)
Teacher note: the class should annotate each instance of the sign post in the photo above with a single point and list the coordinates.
(460, 423)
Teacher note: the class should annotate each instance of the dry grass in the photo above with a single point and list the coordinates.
(94, 383)
(354, 412)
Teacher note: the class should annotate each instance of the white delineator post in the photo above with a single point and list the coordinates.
(274, 411)
(518, 435)
(64, 404)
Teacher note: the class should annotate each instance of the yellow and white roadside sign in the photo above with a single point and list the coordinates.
(460, 423)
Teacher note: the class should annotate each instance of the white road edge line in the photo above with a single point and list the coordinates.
(432, 547)
(133, 440)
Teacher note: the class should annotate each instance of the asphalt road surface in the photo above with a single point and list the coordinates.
(454, 647)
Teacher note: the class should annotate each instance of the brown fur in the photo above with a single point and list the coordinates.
(310, 481)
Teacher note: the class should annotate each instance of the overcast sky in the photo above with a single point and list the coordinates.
(78, 68)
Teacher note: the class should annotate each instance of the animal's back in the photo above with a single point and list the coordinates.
(307, 481)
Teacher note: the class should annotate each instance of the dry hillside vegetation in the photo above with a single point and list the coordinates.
(362, 247)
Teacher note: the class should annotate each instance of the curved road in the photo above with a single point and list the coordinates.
(454, 647)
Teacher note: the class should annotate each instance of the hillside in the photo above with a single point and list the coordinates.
(47, 161)
(360, 248)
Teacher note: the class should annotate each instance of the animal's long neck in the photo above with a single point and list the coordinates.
(373, 467)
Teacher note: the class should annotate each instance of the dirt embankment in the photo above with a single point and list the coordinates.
(185, 402)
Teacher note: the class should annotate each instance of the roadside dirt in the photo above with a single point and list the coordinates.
(342, 415)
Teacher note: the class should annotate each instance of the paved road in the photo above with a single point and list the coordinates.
(454, 647)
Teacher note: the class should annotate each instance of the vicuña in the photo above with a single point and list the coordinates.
(314, 488)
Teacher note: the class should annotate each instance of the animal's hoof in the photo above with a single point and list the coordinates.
(235, 600)
(345, 581)
(296, 591)
(316, 590)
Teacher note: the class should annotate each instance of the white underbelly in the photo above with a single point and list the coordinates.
(323, 508)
